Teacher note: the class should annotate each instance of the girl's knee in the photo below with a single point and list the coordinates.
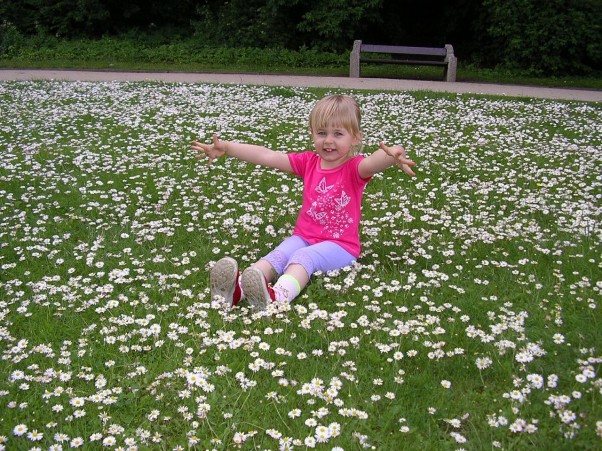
(302, 258)
(324, 256)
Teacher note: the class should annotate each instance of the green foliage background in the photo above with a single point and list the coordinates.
(558, 37)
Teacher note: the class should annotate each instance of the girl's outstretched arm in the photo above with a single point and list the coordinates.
(247, 152)
(384, 158)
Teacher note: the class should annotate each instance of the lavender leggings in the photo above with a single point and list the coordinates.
(324, 256)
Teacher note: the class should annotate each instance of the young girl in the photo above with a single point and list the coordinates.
(326, 235)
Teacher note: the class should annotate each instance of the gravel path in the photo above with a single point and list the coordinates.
(307, 81)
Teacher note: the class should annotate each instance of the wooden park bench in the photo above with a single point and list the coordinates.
(423, 56)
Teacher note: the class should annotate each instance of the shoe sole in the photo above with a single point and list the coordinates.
(255, 288)
(222, 279)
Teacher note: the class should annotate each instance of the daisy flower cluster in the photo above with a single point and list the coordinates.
(470, 319)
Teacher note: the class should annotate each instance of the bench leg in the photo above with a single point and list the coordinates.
(450, 69)
(354, 60)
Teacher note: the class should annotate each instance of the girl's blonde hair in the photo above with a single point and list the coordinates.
(339, 111)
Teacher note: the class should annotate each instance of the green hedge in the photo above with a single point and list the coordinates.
(179, 52)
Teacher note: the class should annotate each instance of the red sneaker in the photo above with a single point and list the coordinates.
(224, 281)
(256, 288)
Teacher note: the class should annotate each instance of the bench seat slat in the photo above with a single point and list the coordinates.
(403, 61)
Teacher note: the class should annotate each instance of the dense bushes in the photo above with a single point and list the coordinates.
(556, 37)
(150, 50)
(551, 37)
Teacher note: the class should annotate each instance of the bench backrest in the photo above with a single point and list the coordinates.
(403, 50)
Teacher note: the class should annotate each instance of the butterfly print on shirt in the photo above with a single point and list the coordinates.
(343, 201)
(322, 188)
(328, 208)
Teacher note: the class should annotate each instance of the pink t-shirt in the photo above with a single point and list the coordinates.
(332, 201)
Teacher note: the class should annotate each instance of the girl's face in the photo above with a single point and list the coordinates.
(334, 145)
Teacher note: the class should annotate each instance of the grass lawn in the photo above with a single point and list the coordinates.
(470, 321)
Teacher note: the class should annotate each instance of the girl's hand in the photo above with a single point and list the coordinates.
(211, 151)
(399, 154)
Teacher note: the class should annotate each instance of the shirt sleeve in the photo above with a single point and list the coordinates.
(356, 163)
(299, 162)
